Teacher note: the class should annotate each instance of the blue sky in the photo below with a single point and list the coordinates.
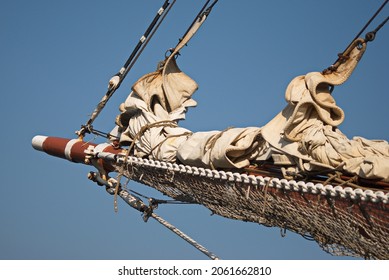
(56, 59)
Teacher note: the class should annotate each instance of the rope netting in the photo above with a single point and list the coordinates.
(343, 221)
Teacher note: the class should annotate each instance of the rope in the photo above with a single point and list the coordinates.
(138, 204)
(116, 80)
(371, 35)
(204, 11)
(192, 29)
(103, 134)
(265, 195)
(195, 19)
(368, 38)
(142, 130)
(154, 201)
(379, 196)
(371, 19)
(185, 237)
(148, 39)
(158, 146)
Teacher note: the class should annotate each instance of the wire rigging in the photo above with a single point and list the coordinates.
(370, 36)
(196, 18)
(148, 212)
(199, 19)
(371, 19)
(117, 79)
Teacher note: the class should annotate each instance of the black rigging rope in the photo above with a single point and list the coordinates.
(147, 40)
(371, 19)
(196, 18)
(370, 36)
(103, 134)
(205, 10)
(147, 212)
(116, 81)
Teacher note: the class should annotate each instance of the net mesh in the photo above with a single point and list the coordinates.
(341, 226)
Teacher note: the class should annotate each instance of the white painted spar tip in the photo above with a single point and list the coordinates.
(37, 142)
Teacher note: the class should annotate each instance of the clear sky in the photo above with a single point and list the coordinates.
(56, 58)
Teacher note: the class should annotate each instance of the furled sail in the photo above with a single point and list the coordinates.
(151, 112)
(304, 134)
(307, 128)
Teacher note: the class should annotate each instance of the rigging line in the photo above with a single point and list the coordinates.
(372, 34)
(103, 134)
(196, 18)
(204, 11)
(147, 40)
(146, 34)
(181, 234)
(382, 24)
(116, 80)
(379, 26)
(147, 211)
(158, 201)
(371, 19)
(211, 6)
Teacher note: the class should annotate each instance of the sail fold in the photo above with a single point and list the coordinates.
(304, 132)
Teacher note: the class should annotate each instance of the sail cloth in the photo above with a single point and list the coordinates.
(307, 127)
(305, 132)
(150, 115)
(231, 148)
(152, 110)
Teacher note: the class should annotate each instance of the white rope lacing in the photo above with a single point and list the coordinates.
(259, 181)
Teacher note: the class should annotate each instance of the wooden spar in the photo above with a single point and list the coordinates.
(73, 149)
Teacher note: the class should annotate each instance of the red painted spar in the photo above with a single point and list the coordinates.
(72, 149)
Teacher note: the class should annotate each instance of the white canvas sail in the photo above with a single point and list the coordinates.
(305, 132)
